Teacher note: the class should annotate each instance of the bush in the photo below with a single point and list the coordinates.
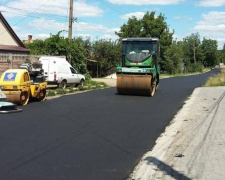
(87, 77)
(61, 91)
(70, 90)
(88, 86)
(51, 93)
(191, 68)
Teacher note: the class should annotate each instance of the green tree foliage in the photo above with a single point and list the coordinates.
(209, 49)
(221, 55)
(149, 26)
(59, 46)
(174, 57)
(107, 53)
(192, 48)
(36, 48)
(133, 28)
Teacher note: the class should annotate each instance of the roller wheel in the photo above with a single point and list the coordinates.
(63, 84)
(42, 95)
(153, 87)
(24, 98)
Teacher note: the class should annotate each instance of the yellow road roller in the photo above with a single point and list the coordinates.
(19, 85)
(139, 73)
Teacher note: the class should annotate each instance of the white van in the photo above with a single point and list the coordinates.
(58, 71)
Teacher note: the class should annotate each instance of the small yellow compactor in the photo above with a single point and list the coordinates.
(19, 85)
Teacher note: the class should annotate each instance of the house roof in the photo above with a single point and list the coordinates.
(13, 48)
(21, 46)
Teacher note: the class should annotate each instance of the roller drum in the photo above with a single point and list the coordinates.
(134, 84)
(20, 98)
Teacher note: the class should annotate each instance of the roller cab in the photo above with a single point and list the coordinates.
(139, 73)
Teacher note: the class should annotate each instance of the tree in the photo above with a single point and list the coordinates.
(107, 53)
(209, 49)
(192, 47)
(149, 26)
(133, 28)
(221, 55)
(175, 58)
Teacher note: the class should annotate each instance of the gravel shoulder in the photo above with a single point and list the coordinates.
(108, 81)
(192, 146)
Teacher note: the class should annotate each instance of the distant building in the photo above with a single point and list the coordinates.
(9, 41)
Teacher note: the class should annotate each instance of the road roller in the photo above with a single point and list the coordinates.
(19, 85)
(139, 73)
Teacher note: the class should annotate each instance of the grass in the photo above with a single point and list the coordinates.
(218, 80)
(183, 74)
(89, 85)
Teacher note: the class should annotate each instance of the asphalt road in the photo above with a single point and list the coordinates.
(97, 135)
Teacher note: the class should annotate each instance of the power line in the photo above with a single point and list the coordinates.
(62, 20)
(31, 13)
(56, 17)
(26, 16)
(117, 9)
(53, 15)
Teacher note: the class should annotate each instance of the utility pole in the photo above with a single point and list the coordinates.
(70, 29)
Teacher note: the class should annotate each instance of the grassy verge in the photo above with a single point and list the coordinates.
(183, 74)
(218, 80)
(89, 85)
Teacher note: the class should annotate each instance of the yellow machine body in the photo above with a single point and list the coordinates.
(17, 86)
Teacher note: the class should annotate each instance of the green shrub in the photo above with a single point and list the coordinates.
(70, 90)
(88, 86)
(191, 68)
(61, 91)
(87, 77)
(51, 93)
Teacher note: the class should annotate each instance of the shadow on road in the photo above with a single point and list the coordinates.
(166, 168)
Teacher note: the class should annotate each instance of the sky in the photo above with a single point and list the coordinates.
(99, 19)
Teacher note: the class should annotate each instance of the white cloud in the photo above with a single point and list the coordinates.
(138, 15)
(211, 3)
(46, 24)
(146, 2)
(23, 33)
(212, 26)
(51, 7)
(78, 27)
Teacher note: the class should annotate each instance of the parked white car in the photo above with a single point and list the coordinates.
(58, 71)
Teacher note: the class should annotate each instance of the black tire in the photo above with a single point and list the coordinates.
(42, 95)
(64, 84)
(81, 82)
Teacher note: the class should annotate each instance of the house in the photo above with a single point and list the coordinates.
(9, 41)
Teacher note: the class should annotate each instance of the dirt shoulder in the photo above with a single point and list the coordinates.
(192, 146)
(110, 82)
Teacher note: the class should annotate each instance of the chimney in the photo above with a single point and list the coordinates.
(29, 38)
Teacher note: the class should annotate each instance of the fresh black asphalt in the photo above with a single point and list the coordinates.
(96, 135)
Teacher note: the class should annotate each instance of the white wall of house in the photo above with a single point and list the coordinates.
(5, 36)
